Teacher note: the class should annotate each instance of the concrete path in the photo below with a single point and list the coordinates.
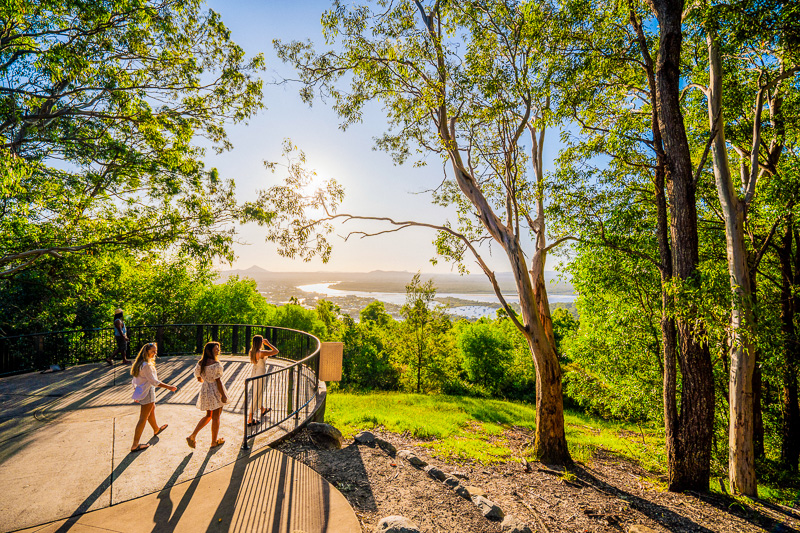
(64, 451)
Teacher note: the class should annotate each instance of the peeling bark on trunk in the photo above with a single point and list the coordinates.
(741, 454)
(691, 458)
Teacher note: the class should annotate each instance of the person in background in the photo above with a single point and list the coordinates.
(212, 395)
(258, 367)
(145, 380)
(121, 338)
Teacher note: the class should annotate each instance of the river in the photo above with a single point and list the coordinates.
(399, 298)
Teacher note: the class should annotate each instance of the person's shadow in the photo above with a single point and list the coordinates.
(104, 485)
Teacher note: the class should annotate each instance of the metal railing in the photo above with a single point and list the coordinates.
(37, 351)
(277, 396)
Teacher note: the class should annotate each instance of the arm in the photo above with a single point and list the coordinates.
(149, 374)
(221, 390)
(272, 351)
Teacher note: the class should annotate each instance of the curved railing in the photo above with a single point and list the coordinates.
(37, 351)
(285, 392)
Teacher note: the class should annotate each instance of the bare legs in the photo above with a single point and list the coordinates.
(210, 416)
(146, 413)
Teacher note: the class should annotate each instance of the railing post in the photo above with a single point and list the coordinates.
(246, 407)
(290, 392)
(199, 339)
(297, 394)
(215, 333)
(160, 340)
(235, 339)
(248, 338)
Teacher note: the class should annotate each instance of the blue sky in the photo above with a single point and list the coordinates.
(373, 184)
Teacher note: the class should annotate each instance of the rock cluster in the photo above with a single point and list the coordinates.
(452, 480)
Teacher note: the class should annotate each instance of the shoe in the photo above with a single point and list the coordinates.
(140, 447)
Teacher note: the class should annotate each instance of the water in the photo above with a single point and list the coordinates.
(399, 298)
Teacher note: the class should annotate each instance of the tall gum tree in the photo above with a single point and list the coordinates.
(467, 81)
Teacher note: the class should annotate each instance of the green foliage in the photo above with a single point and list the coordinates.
(100, 108)
(296, 317)
(486, 353)
(237, 301)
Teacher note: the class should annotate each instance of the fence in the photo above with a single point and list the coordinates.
(283, 393)
(36, 351)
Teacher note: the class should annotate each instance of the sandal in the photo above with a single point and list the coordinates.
(191, 442)
(162, 428)
(219, 442)
(139, 448)
(253, 423)
(265, 410)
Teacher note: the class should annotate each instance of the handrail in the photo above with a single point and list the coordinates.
(35, 351)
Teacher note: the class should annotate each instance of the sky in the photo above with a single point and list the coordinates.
(373, 185)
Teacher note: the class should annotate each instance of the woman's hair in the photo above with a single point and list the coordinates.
(257, 341)
(141, 358)
(208, 353)
(118, 315)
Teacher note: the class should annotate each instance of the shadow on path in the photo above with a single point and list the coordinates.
(86, 504)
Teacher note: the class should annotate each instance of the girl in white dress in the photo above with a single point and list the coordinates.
(258, 367)
(212, 393)
(145, 381)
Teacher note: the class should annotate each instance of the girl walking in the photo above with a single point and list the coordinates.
(258, 367)
(145, 381)
(212, 393)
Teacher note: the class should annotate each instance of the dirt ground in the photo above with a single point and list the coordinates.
(608, 494)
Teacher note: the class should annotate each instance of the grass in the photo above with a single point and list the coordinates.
(471, 429)
(463, 429)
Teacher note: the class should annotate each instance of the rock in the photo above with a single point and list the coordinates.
(412, 458)
(489, 509)
(475, 491)
(639, 528)
(459, 474)
(388, 447)
(463, 492)
(365, 437)
(396, 524)
(512, 525)
(452, 482)
(435, 473)
(325, 434)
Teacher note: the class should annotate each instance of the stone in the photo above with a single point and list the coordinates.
(435, 473)
(488, 508)
(475, 491)
(512, 525)
(452, 482)
(459, 474)
(327, 435)
(639, 528)
(396, 524)
(365, 437)
(388, 447)
(462, 491)
(411, 458)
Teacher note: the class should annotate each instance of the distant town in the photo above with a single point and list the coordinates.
(469, 296)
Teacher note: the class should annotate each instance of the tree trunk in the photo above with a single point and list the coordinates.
(741, 455)
(790, 431)
(660, 184)
(691, 459)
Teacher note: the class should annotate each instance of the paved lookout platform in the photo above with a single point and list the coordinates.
(65, 461)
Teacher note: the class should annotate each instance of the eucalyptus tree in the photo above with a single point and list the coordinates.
(101, 106)
(467, 82)
(627, 185)
(743, 62)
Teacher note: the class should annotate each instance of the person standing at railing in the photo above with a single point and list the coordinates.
(258, 367)
(213, 395)
(145, 381)
(120, 337)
